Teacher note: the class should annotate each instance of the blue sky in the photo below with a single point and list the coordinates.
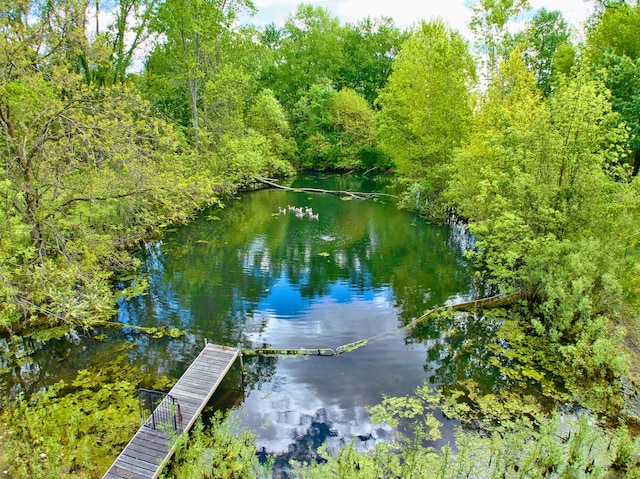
(406, 13)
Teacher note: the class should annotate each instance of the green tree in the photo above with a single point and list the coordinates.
(546, 195)
(193, 29)
(427, 103)
(109, 54)
(313, 128)
(309, 51)
(369, 49)
(489, 23)
(85, 176)
(354, 122)
(541, 41)
(267, 117)
(613, 29)
(622, 77)
(335, 130)
(613, 51)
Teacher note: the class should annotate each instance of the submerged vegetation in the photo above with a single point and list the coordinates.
(531, 139)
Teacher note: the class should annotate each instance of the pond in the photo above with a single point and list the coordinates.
(265, 273)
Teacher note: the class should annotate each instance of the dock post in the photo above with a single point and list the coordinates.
(241, 367)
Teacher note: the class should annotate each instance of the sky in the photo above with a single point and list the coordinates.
(406, 13)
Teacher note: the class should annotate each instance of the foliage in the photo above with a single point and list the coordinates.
(613, 52)
(427, 104)
(369, 50)
(268, 118)
(216, 450)
(335, 130)
(313, 48)
(548, 198)
(542, 42)
(71, 430)
(613, 30)
(489, 23)
(541, 171)
(85, 174)
(621, 75)
(562, 445)
(193, 31)
(306, 51)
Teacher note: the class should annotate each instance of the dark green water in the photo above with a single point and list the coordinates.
(251, 275)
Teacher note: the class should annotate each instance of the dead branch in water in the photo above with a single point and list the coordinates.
(498, 301)
(358, 195)
(469, 306)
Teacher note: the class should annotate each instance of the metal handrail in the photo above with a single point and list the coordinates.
(159, 411)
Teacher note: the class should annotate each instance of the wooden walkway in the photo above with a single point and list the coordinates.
(150, 449)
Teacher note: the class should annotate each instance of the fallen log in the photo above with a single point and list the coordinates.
(358, 195)
(468, 306)
(488, 303)
(497, 301)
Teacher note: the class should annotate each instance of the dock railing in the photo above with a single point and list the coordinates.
(159, 411)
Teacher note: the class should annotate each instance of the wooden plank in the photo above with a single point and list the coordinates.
(189, 383)
(210, 361)
(200, 396)
(121, 473)
(204, 375)
(144, 465)
(155, 442)
(139, 467)
(143, 454)
(147, 449)
(198, 391)
(185, 401)
(131, 471)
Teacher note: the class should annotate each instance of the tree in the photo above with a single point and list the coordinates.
(309, 51)
(313, 128)
(541, 179)
(426, 105)
(489, 24)
(107, 56)
(613, 29)
(622, 76)
(369, 49)
(192, 29)
(267, 117)
(354, 123)
(613, 50)
(84, 176)
(548, 199)
(541, 40)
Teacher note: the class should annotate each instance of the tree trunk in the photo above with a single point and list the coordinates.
(193, 90)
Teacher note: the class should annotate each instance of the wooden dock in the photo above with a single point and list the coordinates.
(152, 446)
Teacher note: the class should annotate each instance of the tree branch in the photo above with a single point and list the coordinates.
(353, 194)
